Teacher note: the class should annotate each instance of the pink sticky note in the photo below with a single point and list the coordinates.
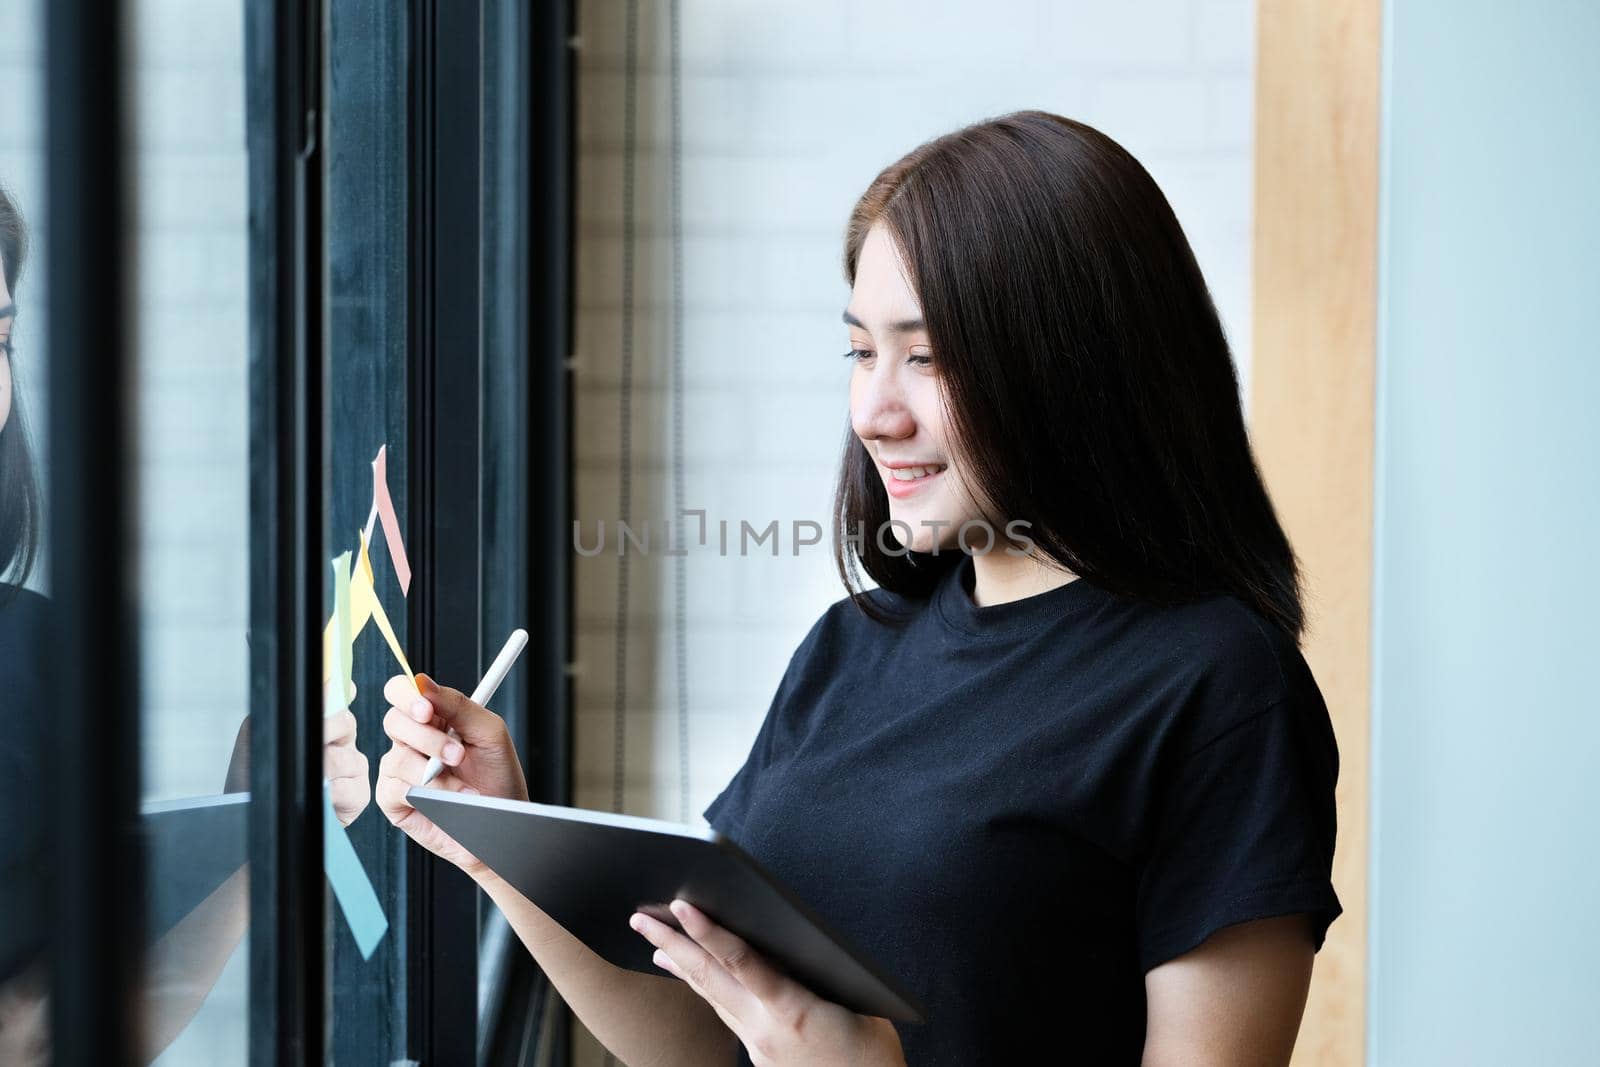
(391, 525)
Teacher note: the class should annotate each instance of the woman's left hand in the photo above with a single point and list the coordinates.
(779, 1021)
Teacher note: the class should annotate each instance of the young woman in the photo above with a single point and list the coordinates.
(1065, 772)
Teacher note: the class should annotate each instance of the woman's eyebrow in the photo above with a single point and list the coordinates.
(903, 326)
(9, 311)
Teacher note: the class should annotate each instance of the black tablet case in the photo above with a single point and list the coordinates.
(589, 871)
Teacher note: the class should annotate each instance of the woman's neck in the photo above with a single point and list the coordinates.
(999, 577)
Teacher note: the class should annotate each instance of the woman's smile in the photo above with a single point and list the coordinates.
(902, 481)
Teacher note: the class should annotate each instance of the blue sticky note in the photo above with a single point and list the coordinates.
(357, 899)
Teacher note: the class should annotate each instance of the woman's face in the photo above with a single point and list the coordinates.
(8, 315)
(896, 408)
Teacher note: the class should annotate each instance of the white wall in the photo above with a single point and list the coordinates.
(789, 110)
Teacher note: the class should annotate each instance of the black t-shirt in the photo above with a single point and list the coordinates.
(1020, 809)
(24, 760)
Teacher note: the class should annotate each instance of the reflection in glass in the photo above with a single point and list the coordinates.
(25, 859)
(24, 866)
(191, 469)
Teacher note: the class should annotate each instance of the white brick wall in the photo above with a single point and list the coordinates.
(789, 110)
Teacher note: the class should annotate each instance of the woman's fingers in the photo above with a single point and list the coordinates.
(345, 767)
(475, 724)
(343, 761)
(687, 959)
(405, 767)
(399, 691)
(349, 794)
(733, 953)
(400, 768)
(339, 729)
(446, 708)
(402, 764)
(404, 728)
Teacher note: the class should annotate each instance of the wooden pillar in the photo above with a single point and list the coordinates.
(1311, 408)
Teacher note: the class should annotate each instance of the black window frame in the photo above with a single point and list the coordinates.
(284, 47)
(521, 1020)
(449, 382)
(96, 936)
(444, 352)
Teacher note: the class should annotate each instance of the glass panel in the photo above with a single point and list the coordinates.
(504, 411)
(367, 398)
(191, 472)
(24, 861)
(505, 345)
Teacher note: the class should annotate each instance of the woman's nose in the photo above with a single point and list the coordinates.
(878, 408)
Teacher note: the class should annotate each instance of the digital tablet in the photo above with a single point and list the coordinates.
(591, 870)
(192, 846)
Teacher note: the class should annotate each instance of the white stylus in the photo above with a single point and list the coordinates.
(491, 681)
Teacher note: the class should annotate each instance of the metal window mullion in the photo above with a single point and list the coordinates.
(444, 607)
(94, 669)
(288, 1020)
(545, 52)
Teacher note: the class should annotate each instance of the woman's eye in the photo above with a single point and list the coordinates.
(860, 355)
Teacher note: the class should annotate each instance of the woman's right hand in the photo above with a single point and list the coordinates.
(479, 760)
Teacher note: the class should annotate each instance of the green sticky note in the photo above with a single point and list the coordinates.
(335, 697)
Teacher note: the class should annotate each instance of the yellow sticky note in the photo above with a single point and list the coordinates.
(362, 597)
(394, 643)
(365, 560)
(364, 604)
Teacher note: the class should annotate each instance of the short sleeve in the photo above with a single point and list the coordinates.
(25, 870)
(1244, 831)
(727, 812)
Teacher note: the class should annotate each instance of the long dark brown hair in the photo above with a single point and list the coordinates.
(1089, 383)
(19, 484)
